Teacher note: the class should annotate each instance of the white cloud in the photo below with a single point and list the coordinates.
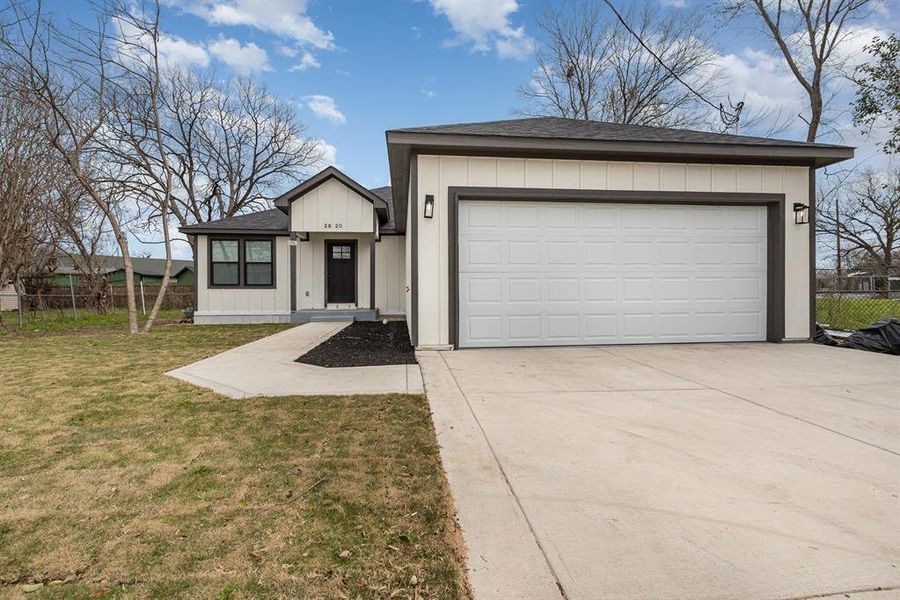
(178, 51)
(245, 59)
(327, 155)
(286, 50)
(308, 61)
(674, 3)
(428, 93)
(324, 107)
(133, 44)
(486, 26)
(284, 18)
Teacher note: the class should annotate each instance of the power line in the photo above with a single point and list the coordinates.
(729, 119)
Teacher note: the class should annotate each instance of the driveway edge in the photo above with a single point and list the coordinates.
(503, 557)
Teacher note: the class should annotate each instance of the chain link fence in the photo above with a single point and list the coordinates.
(43, 302)
(854, 298)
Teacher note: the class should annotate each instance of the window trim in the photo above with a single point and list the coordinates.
(242, 276)
(271, 263)
(212, 263)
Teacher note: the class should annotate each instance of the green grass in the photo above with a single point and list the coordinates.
(854, 313)
(123, 482)
(56, 321)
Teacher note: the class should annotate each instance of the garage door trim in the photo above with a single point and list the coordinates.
(775, 223)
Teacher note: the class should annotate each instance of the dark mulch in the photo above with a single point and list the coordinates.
(364, 344)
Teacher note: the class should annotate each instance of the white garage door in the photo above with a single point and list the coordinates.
(551, 273)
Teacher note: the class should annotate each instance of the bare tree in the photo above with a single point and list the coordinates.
(68, 76)
(591, 67)
(864, 220)
(82, 236)
(232, 147)
(99, 86)
(27, 234)
(808, 34)
(134, 139)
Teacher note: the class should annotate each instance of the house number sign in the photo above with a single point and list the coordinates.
(333, 226)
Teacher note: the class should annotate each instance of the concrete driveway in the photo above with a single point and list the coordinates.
(682, 471)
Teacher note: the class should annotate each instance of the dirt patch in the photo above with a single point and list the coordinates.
(364, 344)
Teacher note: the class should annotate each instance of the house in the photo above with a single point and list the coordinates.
(148, 270)
(534, 232)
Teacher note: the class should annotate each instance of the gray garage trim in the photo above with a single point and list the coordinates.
(404, 145)
(775, 222)
(812, 252)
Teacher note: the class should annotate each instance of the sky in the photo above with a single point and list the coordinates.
(357, 68)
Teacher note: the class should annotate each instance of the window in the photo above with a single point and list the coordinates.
(341, 253)
(242, 262)
(225, 261)
(258, 262)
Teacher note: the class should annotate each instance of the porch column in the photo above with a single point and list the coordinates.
(372, 273)
(293, 246)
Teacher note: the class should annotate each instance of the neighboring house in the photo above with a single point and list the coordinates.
(9, 299)
(534, 232)
(148, 270)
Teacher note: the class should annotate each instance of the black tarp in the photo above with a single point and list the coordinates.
(822, 337)
(883, 336)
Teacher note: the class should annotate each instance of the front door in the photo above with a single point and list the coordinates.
(340, 272)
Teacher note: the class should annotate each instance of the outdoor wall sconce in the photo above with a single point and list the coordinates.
(429, 206)
(801, 213)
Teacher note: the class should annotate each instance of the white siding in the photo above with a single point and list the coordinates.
(244, 305)
(437, 173)
(390, 275)
(332, 206)
(9, 300)
(311, 270)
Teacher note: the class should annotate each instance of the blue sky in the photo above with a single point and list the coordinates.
(357, 68)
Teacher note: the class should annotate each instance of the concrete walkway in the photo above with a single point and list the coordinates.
(718, 471)
(266, 367)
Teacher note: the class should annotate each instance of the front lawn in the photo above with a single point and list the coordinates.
(55, 321)
(116, 480)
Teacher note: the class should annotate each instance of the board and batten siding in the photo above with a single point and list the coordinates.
(244, 305)
(311, 269)
(435, 174)
(390, 275)
(332, 206)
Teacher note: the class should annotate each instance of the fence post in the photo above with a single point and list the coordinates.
(72, 293)
(19, 299)
(143, 303)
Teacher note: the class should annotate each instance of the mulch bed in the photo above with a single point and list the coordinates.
(364, 344)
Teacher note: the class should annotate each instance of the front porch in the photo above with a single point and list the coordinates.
(334, 314)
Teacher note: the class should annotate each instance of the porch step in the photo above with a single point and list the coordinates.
(356, 314)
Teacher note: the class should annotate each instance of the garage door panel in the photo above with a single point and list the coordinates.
(610, 274)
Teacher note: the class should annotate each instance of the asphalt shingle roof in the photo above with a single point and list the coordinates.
(385, 194)
(576, 129)
(272, 220)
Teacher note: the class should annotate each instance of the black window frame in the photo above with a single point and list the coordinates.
(271, 263)
(242, 263)
(213, 262)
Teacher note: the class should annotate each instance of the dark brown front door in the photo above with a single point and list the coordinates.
(340, 272)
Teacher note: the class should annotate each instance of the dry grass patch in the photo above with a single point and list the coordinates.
(121, 481)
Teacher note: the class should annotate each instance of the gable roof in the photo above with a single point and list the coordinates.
(153, 267)
(283, 202)
(557, 137)
(273, 221)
